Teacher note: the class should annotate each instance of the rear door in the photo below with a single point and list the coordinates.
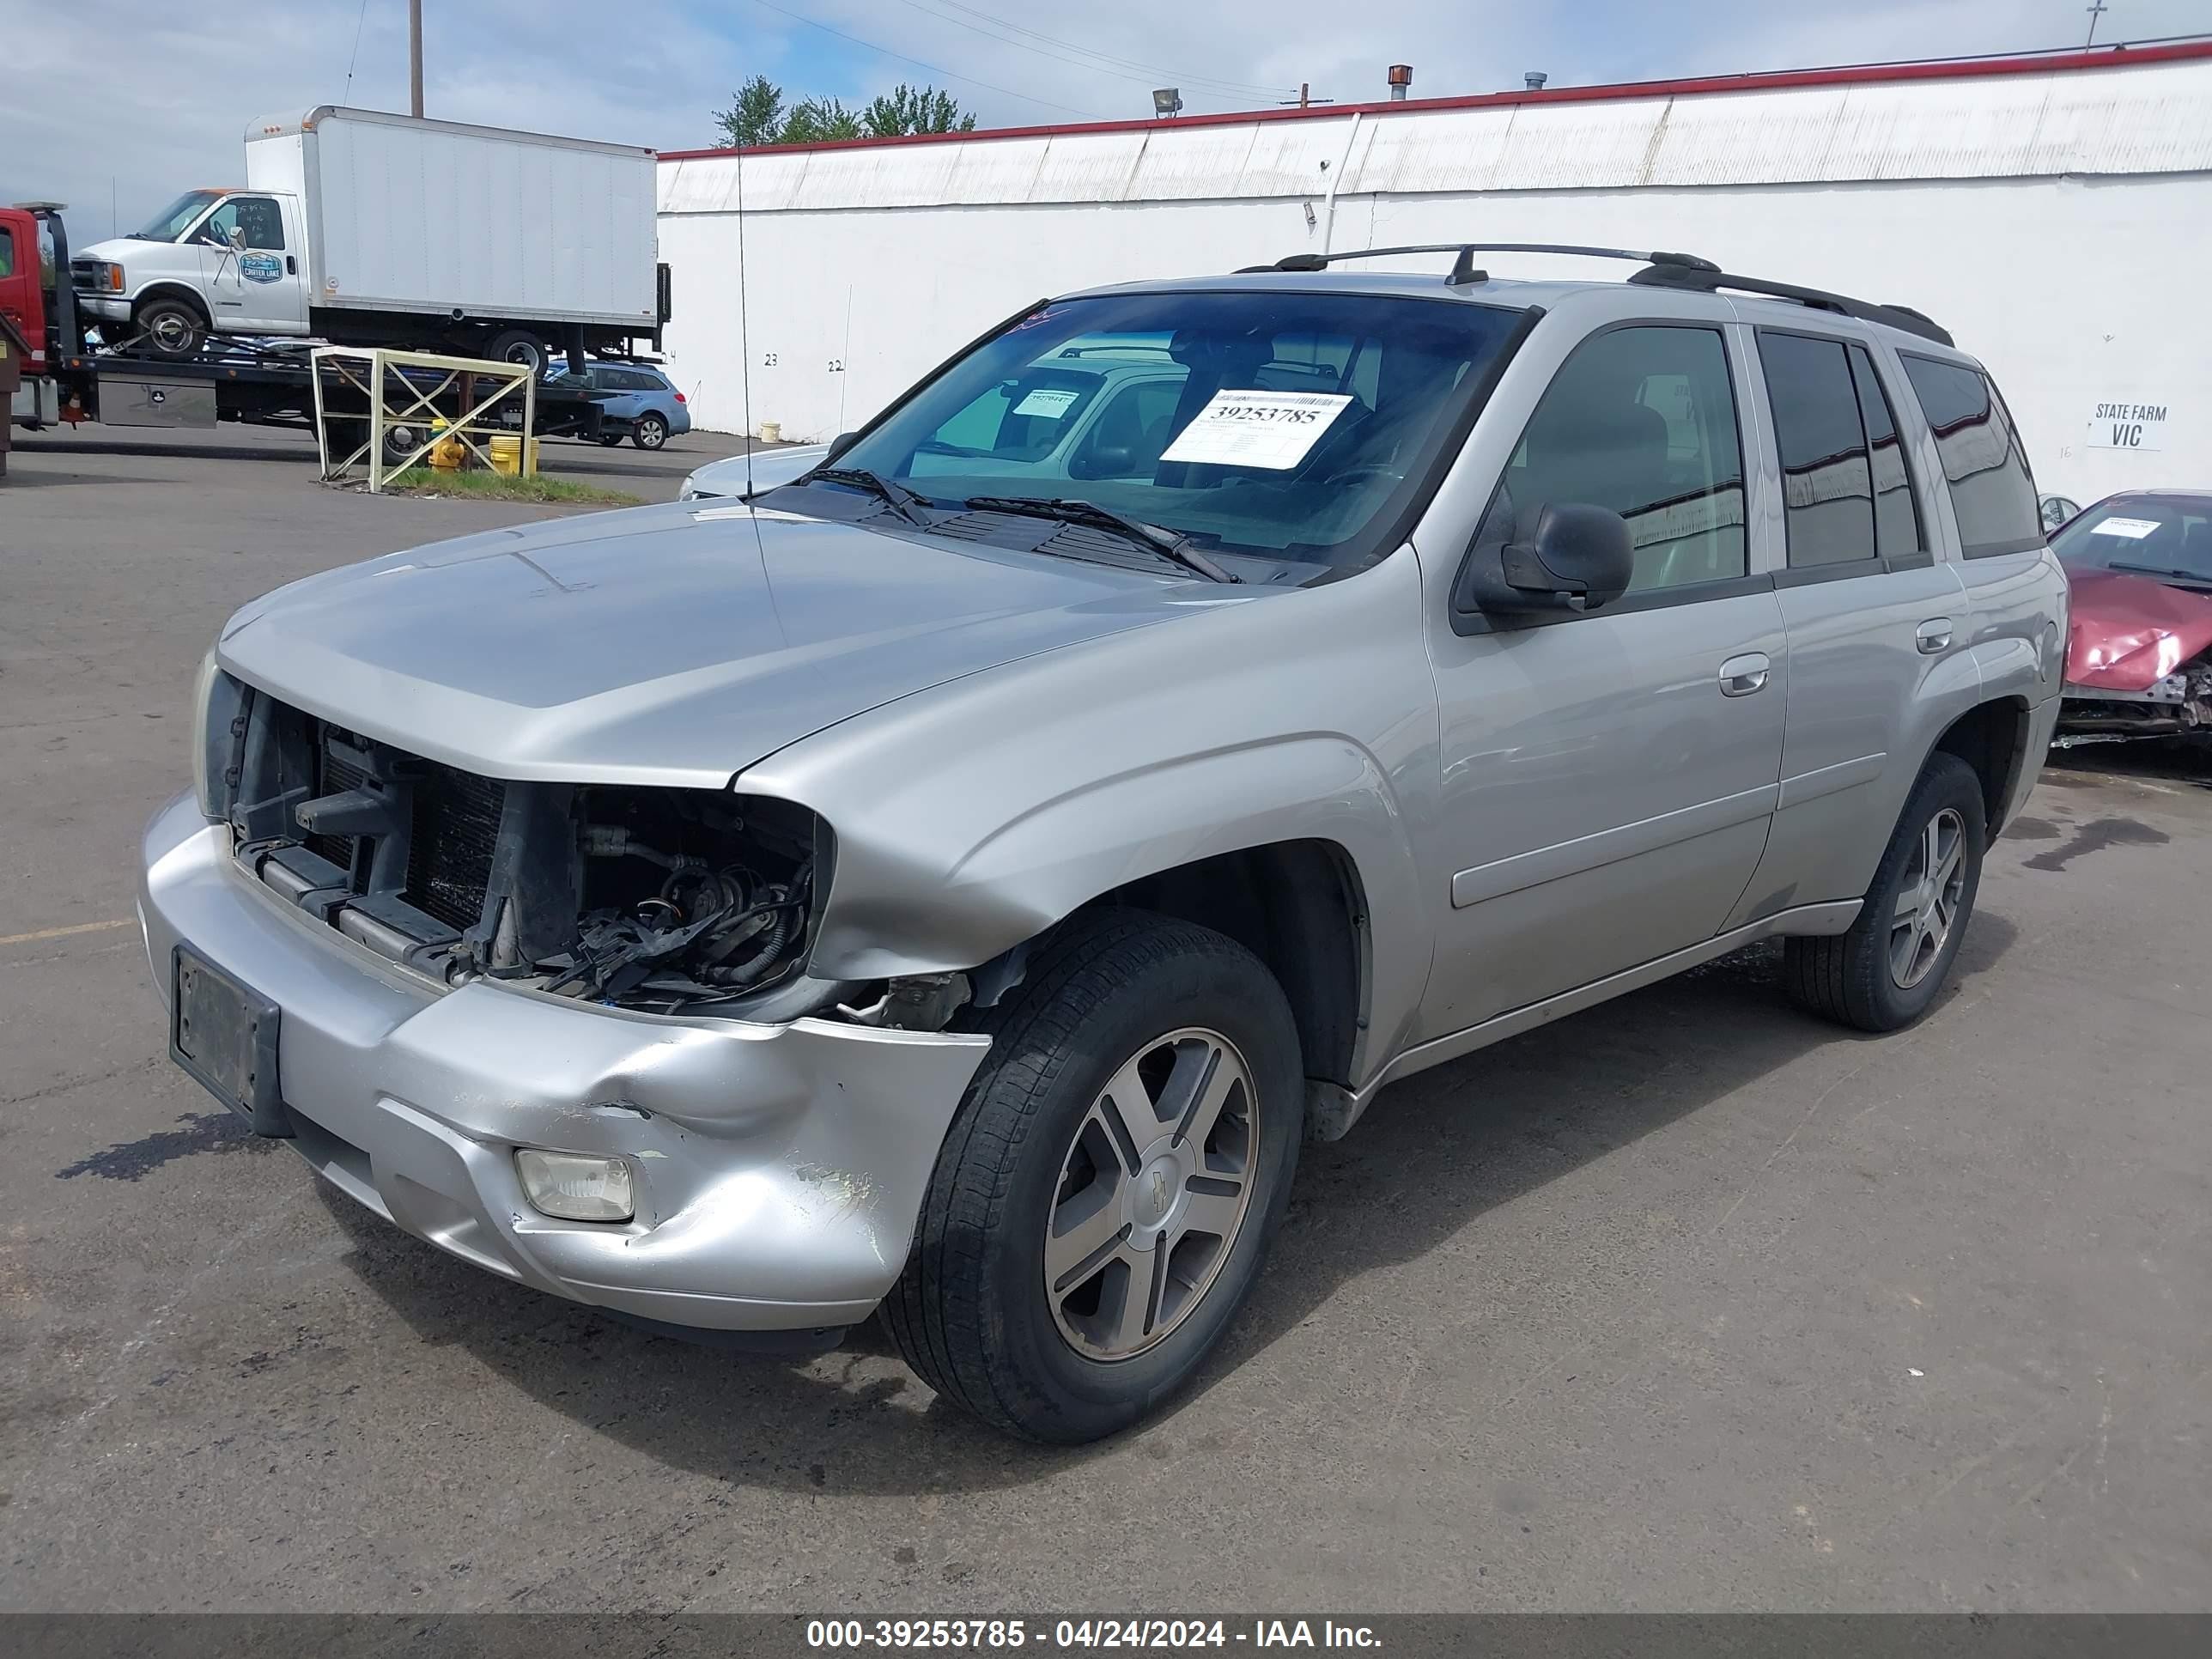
(1607, 777)
(1877, 622)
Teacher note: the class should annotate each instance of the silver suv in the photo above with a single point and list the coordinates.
(952, 883)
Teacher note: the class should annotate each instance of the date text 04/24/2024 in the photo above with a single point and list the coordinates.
(1085, 1635)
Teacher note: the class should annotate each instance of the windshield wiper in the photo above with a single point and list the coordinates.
(2158, 570)
(897, 496)
(1170, 544)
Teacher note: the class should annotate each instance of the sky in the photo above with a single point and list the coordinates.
(133, 100)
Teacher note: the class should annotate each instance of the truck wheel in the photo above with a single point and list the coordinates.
(518, 346)
(171, 328)
(1108, 1191)
(650, 432)
(1886, 971)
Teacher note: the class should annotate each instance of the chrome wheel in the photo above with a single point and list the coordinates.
(1152, 1194)
(1928, 903)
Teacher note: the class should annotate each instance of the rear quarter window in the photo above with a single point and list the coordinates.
(1986, 471)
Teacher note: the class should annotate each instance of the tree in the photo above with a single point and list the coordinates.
(819, 120)
(907, 109)
(756, 117)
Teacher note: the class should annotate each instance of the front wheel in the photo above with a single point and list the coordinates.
(171, 329)
(1887, 971)
(650, 432)
(1110, 1188)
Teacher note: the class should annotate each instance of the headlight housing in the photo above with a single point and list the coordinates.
(218, 709)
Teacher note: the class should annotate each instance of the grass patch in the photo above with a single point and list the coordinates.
(483, 486)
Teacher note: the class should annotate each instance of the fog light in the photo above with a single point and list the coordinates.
(575, 1188)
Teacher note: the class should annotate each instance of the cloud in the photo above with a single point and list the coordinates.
(141, 97)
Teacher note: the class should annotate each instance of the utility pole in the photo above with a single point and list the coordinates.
(2095, 11)
(1305, 100)
(415, 57)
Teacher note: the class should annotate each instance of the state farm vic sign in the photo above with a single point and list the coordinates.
(2127, 426)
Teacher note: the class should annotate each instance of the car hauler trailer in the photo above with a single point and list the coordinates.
(64, 381)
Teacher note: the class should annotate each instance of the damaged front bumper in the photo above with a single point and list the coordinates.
(2177, 705)
(777, 1170)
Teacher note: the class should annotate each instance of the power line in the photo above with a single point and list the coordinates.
(1058, 49)
(886, 51)
(360, 17)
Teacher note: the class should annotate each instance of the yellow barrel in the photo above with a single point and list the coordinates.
(506, 454)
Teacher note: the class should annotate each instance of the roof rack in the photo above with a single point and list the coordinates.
(1712, 279)
(1678, 270)
(1463, 268)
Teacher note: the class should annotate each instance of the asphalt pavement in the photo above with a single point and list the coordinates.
(1688, 1302)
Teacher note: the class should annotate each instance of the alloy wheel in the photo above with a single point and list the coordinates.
(1152, 1194)
(1927, 907)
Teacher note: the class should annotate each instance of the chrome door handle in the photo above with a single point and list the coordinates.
(1741, 676)
(1933, 636)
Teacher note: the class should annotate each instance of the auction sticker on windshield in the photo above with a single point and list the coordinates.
(1273, 429)
(1046, 401)
(2134, 528)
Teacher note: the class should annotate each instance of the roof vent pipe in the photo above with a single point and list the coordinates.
(1401, 77)
(1533, 80)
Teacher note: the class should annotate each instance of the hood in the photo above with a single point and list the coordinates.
(2128, 633)
(117, 249)
(770, 467)
(666, 645)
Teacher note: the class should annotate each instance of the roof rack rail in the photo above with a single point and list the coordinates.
(1463, 269)
(1712, 279)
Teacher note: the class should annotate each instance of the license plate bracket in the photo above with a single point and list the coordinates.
(223, 1033)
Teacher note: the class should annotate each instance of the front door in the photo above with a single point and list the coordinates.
(254, 279)
(1608, 777)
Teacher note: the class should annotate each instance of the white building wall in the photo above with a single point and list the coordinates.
(2059, 224)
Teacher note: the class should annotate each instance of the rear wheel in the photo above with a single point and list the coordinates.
(1887, 971)
(1110, 1188)
(610, 438)
(171, 328)
(518, 346)
(650, 432)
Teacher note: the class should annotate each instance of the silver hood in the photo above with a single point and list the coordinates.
(670, 644)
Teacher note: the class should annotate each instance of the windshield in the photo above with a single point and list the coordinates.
(1288, 426)
(172, 221)
(2158, 535)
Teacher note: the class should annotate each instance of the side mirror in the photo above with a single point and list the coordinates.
(1105, 461)
(1578, 558)
(237, 239)
(838, 445)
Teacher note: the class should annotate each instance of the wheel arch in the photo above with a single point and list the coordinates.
(1993, 739)
(164, 289)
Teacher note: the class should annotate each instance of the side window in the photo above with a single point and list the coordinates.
(1897, 532)
(256, 216)
(1992, 492)
(1642, 420)
(1827, 486)
(7, 249)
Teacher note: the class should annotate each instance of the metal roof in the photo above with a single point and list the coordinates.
(2142, 110)
(2122, 54)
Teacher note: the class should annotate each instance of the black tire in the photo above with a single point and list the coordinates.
(650, 431)
(1852, 977)
(171, 329)
(520, 347)
(970, 1313)
(610, 438)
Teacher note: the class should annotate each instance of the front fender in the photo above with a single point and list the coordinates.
(974, 815)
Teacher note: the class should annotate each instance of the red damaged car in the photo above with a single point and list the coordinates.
(2139, 647)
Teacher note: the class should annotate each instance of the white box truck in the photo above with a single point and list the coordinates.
(364, 228)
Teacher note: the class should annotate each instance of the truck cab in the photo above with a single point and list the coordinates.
(216, 261)
(23, 296)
